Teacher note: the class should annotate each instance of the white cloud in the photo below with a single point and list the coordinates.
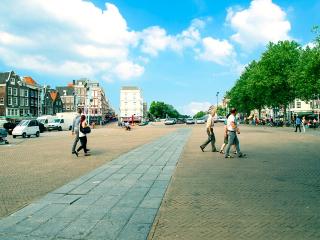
(218, 51)
(262, 22)
(155, 39)
(127, 70)
(194, 107)
(61, 37)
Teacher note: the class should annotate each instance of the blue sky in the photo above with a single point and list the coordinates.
(179, 52)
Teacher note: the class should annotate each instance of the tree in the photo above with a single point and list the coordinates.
(163, 110)
(200, 114)
(276, 67)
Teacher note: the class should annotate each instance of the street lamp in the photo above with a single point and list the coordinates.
(217, 95)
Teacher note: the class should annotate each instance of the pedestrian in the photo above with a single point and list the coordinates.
(233, 130)
(314, 124)
(303, 123)
(225, 138)
(83, 136)
(298, 124)
(75, 130)
(209, 129)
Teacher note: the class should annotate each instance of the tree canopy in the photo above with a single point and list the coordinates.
(284, 72)
(163, 110)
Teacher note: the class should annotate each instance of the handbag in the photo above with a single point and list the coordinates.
(85, 130)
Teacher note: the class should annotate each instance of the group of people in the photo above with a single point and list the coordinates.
(304, 123)
(231, 130)
(78, 126)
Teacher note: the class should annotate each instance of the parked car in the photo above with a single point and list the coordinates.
(190, 121)
(144, 123)
(45, 120)
(26, 128)
(220, 119)
(2, 122)
(200, 121)
(60, 124)
(181, 121)
(9, 126)
(170, 121)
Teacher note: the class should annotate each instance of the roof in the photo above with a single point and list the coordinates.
(69, 90)
(129, 88)
(4, 76)
(29, 81)
(54, 95)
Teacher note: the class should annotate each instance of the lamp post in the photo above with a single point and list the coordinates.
(217, 95)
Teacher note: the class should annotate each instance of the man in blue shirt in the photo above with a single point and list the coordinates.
(298, 124)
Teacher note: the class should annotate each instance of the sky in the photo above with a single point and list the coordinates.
(181, 52)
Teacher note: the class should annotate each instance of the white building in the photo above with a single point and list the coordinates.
(304, 108)
(131, 104)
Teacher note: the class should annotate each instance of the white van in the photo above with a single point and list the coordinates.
(26, 128)
(45, 120)
(60, 124)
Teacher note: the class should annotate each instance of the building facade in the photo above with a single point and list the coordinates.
(34, 96)
(67, 95)
(14, 98)
(51, 102)
(131, 104)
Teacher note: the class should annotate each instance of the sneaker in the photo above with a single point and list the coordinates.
(201, 149)
(87, 154)
(235, 152)
(228, 156)
(242, 155)
(221, 151)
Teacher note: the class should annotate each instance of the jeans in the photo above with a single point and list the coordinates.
(76, 140)
(233, 139)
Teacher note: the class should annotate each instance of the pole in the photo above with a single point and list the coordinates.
(217, 99)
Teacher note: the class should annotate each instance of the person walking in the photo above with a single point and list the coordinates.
(225, 138)
(298, 124)
(233, 130)
(75, 130)
(209, 129)
(83, 136)
(303, 123)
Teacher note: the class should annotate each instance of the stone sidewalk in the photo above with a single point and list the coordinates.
(118, 200)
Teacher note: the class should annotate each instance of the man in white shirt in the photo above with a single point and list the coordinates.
(209, 128)
(233, 130)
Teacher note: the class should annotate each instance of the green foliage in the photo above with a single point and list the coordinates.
(221, 111)
(162, 110)
(200, 114)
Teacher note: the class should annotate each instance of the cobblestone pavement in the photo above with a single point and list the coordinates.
(272, 194)
(118, 200)
(31, 168)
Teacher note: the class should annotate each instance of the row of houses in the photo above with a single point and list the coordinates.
(23, 96)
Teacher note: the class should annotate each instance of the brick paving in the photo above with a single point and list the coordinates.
(272, 194)
(118, 200)
(33, 167)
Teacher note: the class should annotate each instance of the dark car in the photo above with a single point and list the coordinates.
(41, 127)
(9, 126)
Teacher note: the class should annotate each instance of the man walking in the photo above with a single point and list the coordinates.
(209, 128)
(75, 130)
(298, 124)
(233, 130)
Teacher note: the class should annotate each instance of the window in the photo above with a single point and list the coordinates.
(15, 92)
(298, 104)
(26, 103)
(9, 90)
(9, 101)
(21, 102)
(13, 81)
(26, 93)
(2, 100)
(15, 101)
(21, 92)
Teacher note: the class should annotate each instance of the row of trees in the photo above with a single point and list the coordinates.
(284, 72)
(163, 110)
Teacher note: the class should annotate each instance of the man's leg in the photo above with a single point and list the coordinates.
(299, 128)
(76, 140)
(213, 141)
(206, 142)
(231, 136)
